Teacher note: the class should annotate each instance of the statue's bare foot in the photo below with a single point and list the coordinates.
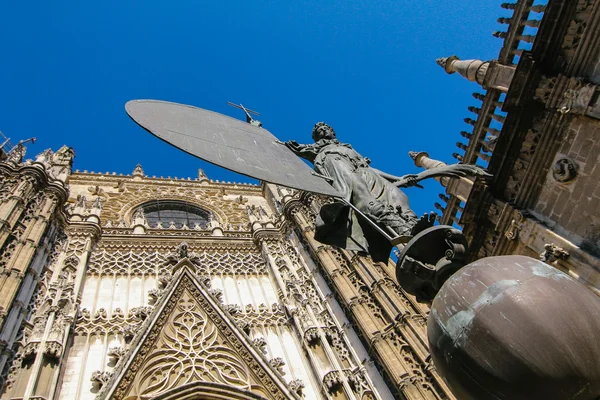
(426, 221)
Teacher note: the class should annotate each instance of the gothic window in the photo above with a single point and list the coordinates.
(178, 213)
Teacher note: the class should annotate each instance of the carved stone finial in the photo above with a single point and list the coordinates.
(418, 157)
(45, 157)
(139, 213)
(446, 63)
(296, 386)
(261, 344)
(138, 171)
(116, 352)
(100, 378)
(473, 70)
(217, 294)
(17, 153)
(232, 309)
(201, 174)
(278, 364)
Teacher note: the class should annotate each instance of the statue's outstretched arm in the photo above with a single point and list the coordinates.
(306, 151)
(385, 175)
(450, 171)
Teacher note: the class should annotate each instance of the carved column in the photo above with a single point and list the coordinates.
(55, 317)
(25, 260)
(24, 251)
(17, 191)
(337, 367)
(30, 195)
(390, 326)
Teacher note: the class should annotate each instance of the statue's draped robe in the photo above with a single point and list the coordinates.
(361, 186)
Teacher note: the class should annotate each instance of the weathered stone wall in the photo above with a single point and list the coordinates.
(572, 208)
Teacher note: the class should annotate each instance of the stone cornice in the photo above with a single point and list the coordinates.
(82, 178)
(269, 232)
(84, 228)
(37, 172)
(113, 233)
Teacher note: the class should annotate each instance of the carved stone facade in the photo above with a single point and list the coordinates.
(130, 286)
(544, 199)
(220, 296)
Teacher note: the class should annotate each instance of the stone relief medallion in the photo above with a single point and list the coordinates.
(564, 170)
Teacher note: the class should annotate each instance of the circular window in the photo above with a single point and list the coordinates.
(168, 213)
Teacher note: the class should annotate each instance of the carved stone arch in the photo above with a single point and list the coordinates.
(207, 391)
(131, 207)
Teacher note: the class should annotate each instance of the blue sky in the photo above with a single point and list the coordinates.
(365, 67)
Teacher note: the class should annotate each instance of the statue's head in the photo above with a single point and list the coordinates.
(322, 131)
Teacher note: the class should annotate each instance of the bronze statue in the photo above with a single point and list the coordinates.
(374, 193)
(368, 213)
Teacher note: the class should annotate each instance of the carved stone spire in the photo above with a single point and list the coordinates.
(422, 160)
(17, 153)
(489, 74)
(45, 157)
(138, 171)
(473, 70)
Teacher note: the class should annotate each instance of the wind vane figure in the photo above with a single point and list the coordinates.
(15, 152)
(248, 111)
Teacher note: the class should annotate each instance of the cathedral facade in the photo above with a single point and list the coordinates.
(135, 287)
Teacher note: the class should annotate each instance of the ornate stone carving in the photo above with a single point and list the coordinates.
(140, 313)
(359, 383)
(217, 294)
(545, 89)
(574, 34)
(54, 348)
(278, 364)
(31, 349)
(261, 344)
(493, 211)
(128, 331)
(553, 253)
(191, 342)
(151, 262)
(164, 279)
(116, 352)
(296, 386)
(251, 317)
(515, 226)
(100, 314)
(138, 171)
(100, 378)
(154, 295)
(232, 309)
(331, 380)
